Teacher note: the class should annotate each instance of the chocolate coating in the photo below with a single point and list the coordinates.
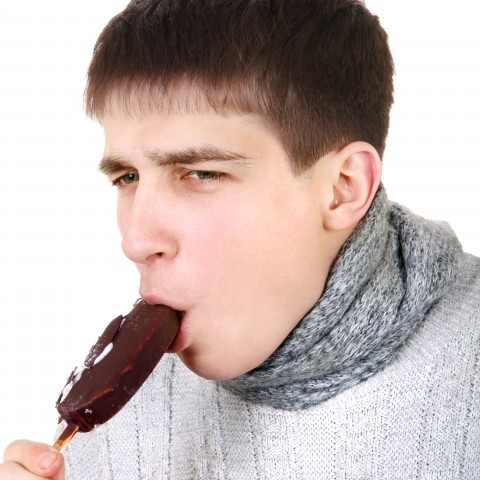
(131, 347)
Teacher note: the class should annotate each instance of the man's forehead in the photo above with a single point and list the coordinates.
(189, 129)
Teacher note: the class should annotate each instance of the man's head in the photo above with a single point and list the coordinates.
(206, 106)
(318, 72)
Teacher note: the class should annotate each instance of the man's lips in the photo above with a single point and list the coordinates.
(179, 342)
(154, 299)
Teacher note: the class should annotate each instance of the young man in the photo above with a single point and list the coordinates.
(327, 332)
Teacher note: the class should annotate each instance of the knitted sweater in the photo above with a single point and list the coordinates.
(418, 417)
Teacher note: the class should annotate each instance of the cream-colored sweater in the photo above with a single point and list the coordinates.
(418, 418)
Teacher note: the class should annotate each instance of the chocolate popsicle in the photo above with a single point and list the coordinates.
(115, 368)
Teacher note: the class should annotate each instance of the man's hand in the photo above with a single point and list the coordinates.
(24, 460)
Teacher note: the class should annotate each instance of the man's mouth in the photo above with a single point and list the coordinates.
(179, 342)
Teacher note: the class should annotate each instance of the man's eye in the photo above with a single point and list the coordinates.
(126, 179)
(205, 175)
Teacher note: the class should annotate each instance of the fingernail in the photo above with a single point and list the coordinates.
(47, 460)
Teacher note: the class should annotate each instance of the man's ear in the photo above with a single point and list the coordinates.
(357, 175)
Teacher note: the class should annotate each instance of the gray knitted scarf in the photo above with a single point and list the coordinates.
(388, 274)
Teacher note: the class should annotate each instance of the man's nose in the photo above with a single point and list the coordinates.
(147, 227)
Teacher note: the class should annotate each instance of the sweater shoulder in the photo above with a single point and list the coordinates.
(469, 275)
(461, 304)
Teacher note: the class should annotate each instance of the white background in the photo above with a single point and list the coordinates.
(62, 272)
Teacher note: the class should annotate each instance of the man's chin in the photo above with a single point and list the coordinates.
(210, 368)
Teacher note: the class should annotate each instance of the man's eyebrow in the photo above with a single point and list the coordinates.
(112, 164)
(118, 163)
(192, 155)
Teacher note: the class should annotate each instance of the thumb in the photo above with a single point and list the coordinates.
(39, 458)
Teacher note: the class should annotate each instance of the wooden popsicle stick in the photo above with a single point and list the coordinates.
(65, 437)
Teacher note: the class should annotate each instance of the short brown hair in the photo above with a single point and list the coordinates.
(319, 72)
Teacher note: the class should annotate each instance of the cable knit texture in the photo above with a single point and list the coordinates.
(415, 415)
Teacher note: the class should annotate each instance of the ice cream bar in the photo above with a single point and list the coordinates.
(116, 367)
